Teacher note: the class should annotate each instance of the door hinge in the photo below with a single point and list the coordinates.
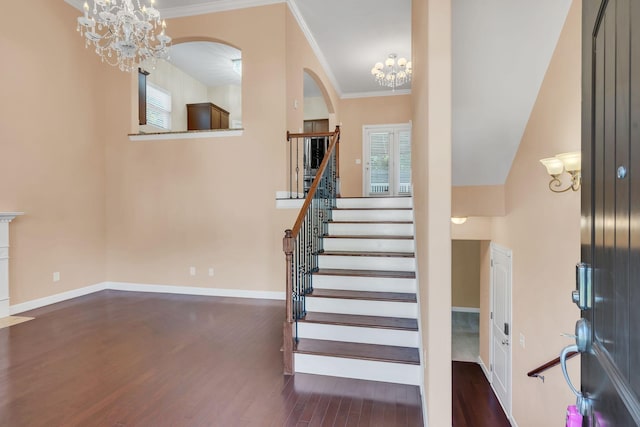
(491, 263)
(491, 367)
(491, 316)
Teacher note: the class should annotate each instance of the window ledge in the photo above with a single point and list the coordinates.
(187, 134)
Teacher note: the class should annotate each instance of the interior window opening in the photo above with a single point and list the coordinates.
(199, 87)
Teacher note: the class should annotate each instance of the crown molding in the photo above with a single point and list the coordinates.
(376, 93)
(213, 7)
(295, 11)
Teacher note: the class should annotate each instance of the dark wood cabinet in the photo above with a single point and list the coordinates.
(206, 115)
(318, 125)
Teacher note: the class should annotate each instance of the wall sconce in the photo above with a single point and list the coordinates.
(561, 163)
(458, 220)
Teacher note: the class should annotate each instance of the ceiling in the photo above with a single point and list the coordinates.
(501, 51)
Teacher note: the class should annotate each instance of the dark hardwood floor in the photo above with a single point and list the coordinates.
(137, 359)
(474, 403)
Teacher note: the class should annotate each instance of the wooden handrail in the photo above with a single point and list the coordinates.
(289, 241)
(550, 364)
(309, 134)
(316, 181)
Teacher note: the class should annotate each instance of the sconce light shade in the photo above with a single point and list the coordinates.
(561, 163)
(458, 220)
(554, 165)
(572, 161)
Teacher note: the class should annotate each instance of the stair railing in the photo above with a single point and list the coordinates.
(303, 242)
(537, 372)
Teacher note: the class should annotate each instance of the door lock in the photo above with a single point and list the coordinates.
(582, 345)
(584, 284)
(505, 342)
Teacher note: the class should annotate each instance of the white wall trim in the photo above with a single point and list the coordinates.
(485, 371)
(465, 309)
(174, 136)
(52, 299)
(140, 287)
(193, 290)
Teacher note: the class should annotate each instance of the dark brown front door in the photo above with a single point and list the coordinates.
(611, 210)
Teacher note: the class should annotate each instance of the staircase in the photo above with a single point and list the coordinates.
(361, 319)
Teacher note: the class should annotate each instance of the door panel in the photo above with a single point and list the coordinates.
(611, 209)
(501, 325)
(387, 158)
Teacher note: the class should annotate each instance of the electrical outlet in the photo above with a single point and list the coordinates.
(56, 276)
(210, 271)
(521, 340)
(192, 271)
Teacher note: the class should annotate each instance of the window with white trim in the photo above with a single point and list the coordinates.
(158, 107)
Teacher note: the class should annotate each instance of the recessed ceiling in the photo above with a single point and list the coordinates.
(210, 63)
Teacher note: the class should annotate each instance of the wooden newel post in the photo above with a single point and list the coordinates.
(288, 245)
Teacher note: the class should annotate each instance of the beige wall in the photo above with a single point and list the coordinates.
(475, 228)
(465, 273)
(354, 113)
(543, 231)
(51, 150)
(479, 200)
(315, 108)
(209, 202)
(431, 165)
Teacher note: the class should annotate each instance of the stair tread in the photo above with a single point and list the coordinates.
(363, 295)
(398, 323)
(366, 273)
(376, 352)
(367, 236)
(373, 254)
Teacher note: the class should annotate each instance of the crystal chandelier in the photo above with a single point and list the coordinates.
(124, 35)
(393, 73)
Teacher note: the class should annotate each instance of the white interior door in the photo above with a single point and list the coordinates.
(501, 325)
(387, 160)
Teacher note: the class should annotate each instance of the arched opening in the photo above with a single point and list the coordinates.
(199, 87)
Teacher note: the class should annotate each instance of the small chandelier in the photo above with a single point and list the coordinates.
(124, 35)
(392, 73)
(561, 163)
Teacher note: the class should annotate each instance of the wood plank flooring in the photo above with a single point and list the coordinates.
(474, 403)
(138, 359)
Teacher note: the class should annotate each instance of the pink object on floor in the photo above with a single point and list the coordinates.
(574, 419)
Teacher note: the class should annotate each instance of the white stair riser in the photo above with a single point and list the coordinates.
(370, 229)
(372, 215)
(360, 369)
(369, 245)
(356, 283)
(367, 262)
(365, 335)
(363, 307)
(375, 202)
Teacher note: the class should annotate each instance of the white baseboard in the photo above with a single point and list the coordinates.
(484, 369)
(139, 287)
(192, 290)
(465, 309)
(52, 299)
